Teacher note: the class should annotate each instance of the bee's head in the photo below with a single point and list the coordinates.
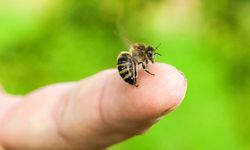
(151, 52)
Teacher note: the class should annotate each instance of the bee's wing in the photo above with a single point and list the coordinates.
(123, 35)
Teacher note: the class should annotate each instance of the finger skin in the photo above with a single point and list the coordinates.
(122, 110)
(93, 113)
(29, 123)
(154, 96)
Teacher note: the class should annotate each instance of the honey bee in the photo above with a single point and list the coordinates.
(138, 54)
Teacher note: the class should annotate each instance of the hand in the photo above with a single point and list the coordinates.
(91, 114)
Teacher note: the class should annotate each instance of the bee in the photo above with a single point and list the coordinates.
(138, 54)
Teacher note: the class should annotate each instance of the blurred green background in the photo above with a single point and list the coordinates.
(43, 42)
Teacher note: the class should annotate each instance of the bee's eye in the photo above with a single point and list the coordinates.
(150, 54)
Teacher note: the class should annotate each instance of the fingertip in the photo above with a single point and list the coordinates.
(159, 93)
(170, 88)
(155, 96)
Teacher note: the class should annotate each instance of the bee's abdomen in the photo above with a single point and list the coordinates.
(126, 68)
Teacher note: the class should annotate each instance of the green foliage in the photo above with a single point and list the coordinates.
(43, 42)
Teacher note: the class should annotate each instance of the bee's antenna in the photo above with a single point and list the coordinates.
(157, 46)
(158, 54)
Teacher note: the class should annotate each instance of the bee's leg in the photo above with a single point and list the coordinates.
(135, 61)
(135, 73)
(145, 69)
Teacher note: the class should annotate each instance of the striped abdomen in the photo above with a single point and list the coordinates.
(127, 68)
